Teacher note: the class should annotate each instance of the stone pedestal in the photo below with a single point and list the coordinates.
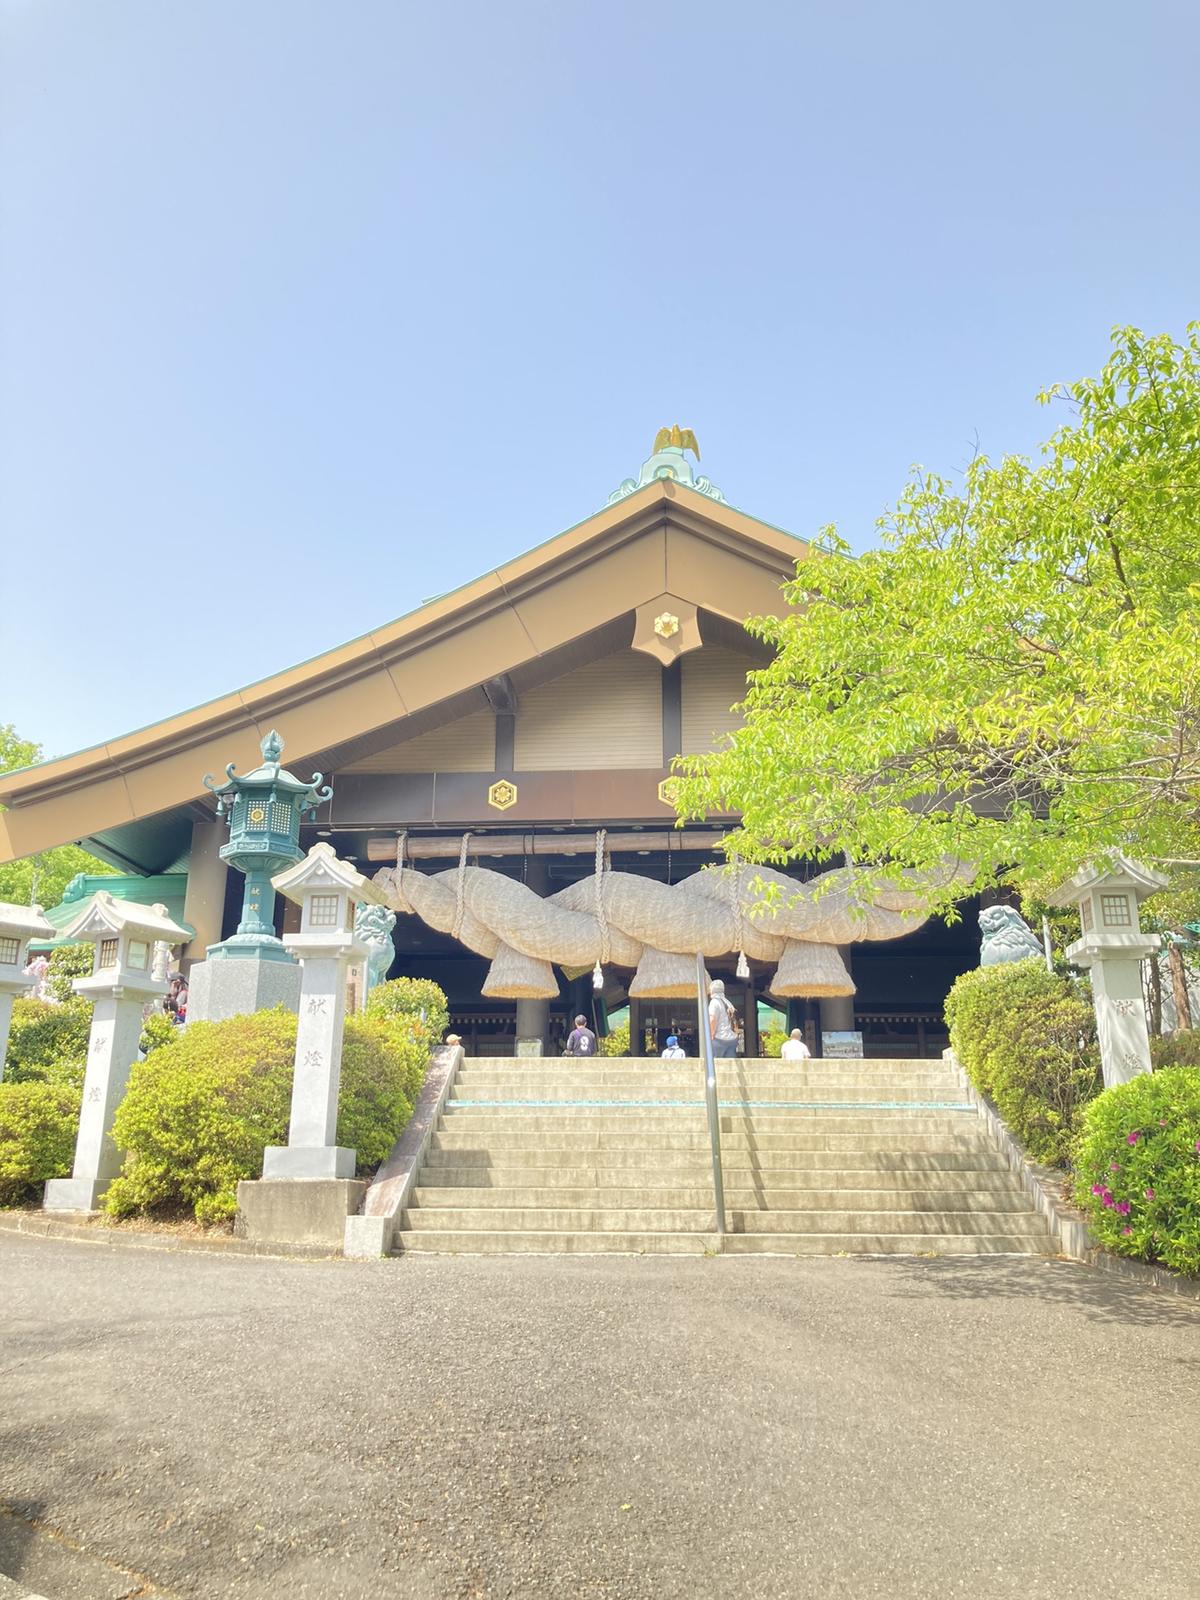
(112, 1050)
(237, 986)
(271, 1212)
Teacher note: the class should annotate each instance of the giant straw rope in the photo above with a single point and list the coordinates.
(658, 928)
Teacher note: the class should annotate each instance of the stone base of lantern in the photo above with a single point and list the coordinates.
(74, 1194)
(308, 1161)
(237, 987)
(270, 1212)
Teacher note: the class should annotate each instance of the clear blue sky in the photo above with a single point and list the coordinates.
(311, 311)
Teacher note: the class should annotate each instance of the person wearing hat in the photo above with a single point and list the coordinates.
(674, 1052)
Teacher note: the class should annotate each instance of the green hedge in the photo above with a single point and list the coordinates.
(38, 1124)
(615, 1043)
(68, 962)
(772, 1042)
(48, 1043)
(418, 1003)
(198, 1114)
(1027, 1040)
(1137, 1168)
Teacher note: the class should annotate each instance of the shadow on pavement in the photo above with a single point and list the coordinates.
(1067, 1283)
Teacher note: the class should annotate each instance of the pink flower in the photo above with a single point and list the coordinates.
(1126, 1230)
(1097, 1188)
(1114, 1166)
(1107, 1198)
(1136, 1134)
(1149, 1194)
(1122, 1208)
(1198, 1146)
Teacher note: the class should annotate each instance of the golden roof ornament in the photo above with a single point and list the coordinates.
(675, 438)
(668, 463)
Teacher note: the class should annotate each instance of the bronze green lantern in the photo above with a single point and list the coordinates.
(265, 810)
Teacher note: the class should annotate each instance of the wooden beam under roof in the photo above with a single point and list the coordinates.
(428, 847)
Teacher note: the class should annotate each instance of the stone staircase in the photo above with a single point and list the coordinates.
(819, 1158)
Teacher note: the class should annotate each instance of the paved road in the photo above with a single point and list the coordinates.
(599, 1427)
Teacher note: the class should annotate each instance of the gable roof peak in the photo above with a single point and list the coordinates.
(668, 462)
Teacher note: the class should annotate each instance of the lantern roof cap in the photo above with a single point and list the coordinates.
(1117, 872)
(24, 920)
(104, 916)
(323, 869)
(268, 773)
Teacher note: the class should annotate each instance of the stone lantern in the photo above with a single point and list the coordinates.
(125, 975)
(18, 924)
(252, 969)
(1113, 946)
(328, 892)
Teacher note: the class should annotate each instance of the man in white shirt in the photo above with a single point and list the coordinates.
(673, 1052)
(795, 1049)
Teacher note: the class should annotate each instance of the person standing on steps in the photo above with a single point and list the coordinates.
(674, 1052)
(581, 1041)
(795, 1049)
(722, 1021)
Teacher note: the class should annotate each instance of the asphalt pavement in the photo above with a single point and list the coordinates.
(181, 1425)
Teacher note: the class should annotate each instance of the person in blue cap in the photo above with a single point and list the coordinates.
(673, 1052)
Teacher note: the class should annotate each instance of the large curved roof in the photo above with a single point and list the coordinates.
(662, 539)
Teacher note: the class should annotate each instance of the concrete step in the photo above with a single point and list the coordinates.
(739, 1181)
(607, 1218)
(465, 1241)
(460, 1241)
(689, 1071)
(791, 1097)
(981, 1158)
(887, 1126)
(802, 1138)
(698, 1196)
(737, 1064)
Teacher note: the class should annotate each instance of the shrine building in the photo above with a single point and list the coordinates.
(525, 724)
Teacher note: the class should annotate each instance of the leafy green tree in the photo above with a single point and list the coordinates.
(43, 877)
(1013, 680)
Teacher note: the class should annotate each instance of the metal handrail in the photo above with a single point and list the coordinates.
(710, 1092)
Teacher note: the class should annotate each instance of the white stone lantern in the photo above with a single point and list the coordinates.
(125, 975)
(1113, 946)
(18, 924)
(327, 891)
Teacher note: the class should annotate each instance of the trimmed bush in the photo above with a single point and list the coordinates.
(197, 1115)
(157, 1030)
(419, 1002)
(772, 1042)
(1137, 1167)
(1027, 1040)
(615, 1043)
(48, 1043)
(1180, 1049)
(38, 1124)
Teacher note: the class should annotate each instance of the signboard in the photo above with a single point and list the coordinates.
(533, 1047)
(841, 1044)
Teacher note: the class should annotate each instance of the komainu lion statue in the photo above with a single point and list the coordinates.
(1006, 937)
(373, 927)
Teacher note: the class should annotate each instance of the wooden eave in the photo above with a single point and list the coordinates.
(663, 538)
